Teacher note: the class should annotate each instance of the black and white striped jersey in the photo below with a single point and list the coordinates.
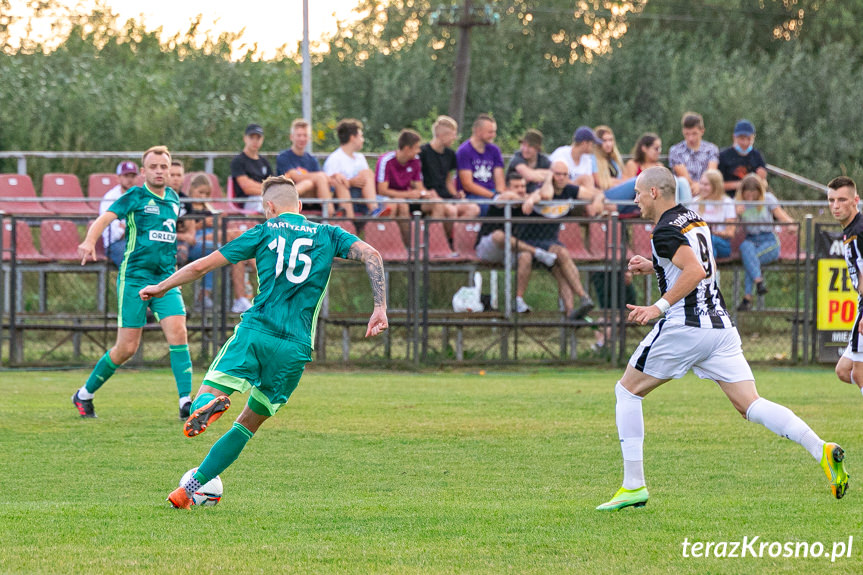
(703, 306)
(853, 241)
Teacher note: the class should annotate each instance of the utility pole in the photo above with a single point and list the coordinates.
(307, 73)
(469, 18)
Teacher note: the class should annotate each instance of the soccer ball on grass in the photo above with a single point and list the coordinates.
(209, 493)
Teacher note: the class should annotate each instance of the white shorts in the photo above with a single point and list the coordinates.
(854, 356)
(487, 251)
(669, 351)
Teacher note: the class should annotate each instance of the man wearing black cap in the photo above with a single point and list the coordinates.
(249, 170)
(741, 158)
(529, 161)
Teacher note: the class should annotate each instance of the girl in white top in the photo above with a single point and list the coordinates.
(717, 209)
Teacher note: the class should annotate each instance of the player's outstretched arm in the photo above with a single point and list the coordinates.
(361, 251)
(87, 248)
(188, 273)
(691, 273)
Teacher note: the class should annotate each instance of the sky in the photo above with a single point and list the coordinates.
(269, 24)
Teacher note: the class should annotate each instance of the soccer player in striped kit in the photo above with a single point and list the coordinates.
(696, 333)
(843, 199)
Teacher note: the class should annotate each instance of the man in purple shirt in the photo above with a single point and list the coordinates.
(480, 163)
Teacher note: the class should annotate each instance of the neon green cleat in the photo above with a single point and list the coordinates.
(832, 463)
(626, 498)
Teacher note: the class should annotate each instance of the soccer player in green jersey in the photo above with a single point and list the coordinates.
(273, 342)
(151, 214)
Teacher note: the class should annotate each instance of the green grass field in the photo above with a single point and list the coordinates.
(444, 472)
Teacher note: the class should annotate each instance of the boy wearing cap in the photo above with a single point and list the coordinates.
(529, 161)
(741, 158)
(114, 236)
(249, 169)
(579, 157)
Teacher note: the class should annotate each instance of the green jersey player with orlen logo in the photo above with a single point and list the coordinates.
(151, 214)
(272, 344)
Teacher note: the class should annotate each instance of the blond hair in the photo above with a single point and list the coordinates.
(158, 150)
(603, 160)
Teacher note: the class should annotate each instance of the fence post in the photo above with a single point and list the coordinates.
(424, 288)
(415, 288)
(809, 289)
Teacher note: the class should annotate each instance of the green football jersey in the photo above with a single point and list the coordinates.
(294, 257)
(151, 233)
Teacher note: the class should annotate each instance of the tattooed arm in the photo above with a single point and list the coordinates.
(361, 251)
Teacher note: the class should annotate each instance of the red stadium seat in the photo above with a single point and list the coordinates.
(60, 240)
(787, 236)
(346, 225)
(98, 185)
(25, 250)
(571, 235)
(387, 239)
(464, 239)
(439, 248)
(64, 186)
(20, 186)
(232, 207)
(639, 234)
(100, 246)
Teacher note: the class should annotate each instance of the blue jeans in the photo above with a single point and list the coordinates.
(721, 246)
(115, 252)
(757, 250)
(199, 250)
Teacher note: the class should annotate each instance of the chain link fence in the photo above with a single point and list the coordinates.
(58, 312)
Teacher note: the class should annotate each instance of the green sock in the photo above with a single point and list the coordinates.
(223, 453)
(181, 365)
(104, 369)
(202, 400)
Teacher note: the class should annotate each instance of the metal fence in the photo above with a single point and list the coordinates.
(56, 311)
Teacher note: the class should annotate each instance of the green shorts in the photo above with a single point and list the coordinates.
(132, 310)
(269, 365)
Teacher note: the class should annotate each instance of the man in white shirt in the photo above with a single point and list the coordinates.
(579, 157)
(114, 236)
(348, 169)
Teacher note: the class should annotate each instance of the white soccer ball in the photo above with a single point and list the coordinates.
(209, 493)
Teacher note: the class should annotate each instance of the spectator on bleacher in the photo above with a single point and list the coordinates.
(555, 195)
(439, 165)
(399, 176)
(609, 163)
(741, 158)
(175, 182)
(529, 161)
(579, 157)
(480, 163)
(198, 235)
(349, 170)
(249, 169)
(114, 236)
(758, 209)
(304, 169)
(645, 154)
(693, 156)
(717, 209)
(491, 239)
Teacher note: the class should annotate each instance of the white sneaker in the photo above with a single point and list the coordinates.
(521, 306)
(544, 257)
(241, 304)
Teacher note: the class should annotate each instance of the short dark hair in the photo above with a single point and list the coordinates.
(177, 163)
(408, 138)
(842, 182)
(692, 120)
(347, 128)
(513, 176)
